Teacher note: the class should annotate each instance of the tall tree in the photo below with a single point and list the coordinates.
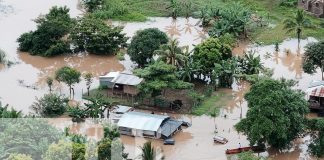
(95, 36)
(49, 82)
(171, 53)
(314, 58)
(88, 77)
(144, 43)
(276, 114)
(297, 24)
(68, 76)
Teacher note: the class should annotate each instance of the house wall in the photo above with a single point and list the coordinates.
(312, 6)
(130, 90)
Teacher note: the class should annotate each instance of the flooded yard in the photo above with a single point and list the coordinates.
(25, 80)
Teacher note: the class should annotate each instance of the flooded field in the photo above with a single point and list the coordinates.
(22, 82)
(27, 78)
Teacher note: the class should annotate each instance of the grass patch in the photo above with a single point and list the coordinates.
(211, 105)
(139, 10)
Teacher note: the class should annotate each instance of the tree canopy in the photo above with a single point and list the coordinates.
(208, 53)
(29, 136)
(159, 76)
(276, 114)
(314, 58)
(68, 76)
(47, 39)
(144, 43)
(316, 147)
(95, 36)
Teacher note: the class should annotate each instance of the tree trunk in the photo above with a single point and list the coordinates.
(88, 91)
(298, 36)
(70, 89)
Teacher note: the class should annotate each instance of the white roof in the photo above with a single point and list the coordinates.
(141, 121)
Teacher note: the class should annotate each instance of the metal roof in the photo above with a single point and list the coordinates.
(127, 79)
(124, 78)
(169, 127)
(141, 121)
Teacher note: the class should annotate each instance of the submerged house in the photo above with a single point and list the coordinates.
(121, 82)
(316, 7)
(148, 125)
(315, 93)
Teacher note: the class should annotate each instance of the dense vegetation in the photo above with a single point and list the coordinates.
(48, 39)
(57, 31)
(95, 36)
(276, 114)
(268, 16)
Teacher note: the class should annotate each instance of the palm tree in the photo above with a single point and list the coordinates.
(149, 152)
(174, 6)
(252, 64)
(98, 105)
(297, 24)
(171, 53)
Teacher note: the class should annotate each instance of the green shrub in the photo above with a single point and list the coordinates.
(120, 56)
(50, 105)
(16, 156)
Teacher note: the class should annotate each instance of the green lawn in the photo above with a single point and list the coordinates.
(211, 105)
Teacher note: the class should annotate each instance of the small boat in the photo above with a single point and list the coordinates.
(244, 149)
(219, 139)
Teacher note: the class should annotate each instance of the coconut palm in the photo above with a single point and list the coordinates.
(171, 53)
(297, 24)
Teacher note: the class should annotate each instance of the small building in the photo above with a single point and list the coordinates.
(315, 93)
(148, 125)
(315, 7)
(121, 82)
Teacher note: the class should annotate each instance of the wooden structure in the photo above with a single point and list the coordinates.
(124, 83)
(245, 149)
(315, 93)
(315, 7)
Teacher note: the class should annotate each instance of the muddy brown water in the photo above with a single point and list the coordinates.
(22, 82)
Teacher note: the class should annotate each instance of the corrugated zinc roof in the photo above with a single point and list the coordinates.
(128, 79)
(141, 121)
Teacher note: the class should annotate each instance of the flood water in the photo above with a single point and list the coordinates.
(22, 82)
